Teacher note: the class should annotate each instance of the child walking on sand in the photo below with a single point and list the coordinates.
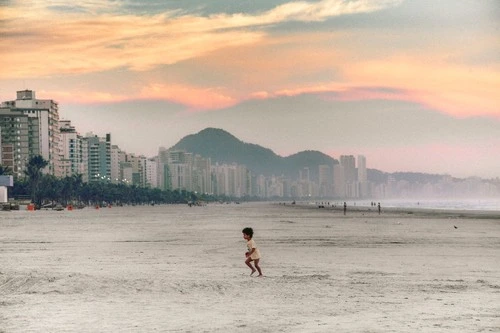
(253, 253)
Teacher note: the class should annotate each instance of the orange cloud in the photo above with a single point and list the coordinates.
(245, 59)
(194, 97)
(65, 46)
(38, 42)
(81, 97)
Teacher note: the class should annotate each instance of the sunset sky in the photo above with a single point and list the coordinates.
(413, 85)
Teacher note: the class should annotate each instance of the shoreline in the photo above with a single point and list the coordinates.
(410, 211)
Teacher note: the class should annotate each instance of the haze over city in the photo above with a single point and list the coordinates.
(412, 85)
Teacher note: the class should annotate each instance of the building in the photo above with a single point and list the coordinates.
(179, 170)
(98, 150)
(72, 162)
(362, 174)
(118, 157)
(152, 172)
(339, 181)
(162, 169)
(202, 175)
(363, 184)
(16, 136)
(36, 135)
(325, 180)
(348, 162)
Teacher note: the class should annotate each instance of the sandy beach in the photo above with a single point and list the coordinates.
(181, 269)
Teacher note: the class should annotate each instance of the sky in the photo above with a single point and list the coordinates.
(413, 85)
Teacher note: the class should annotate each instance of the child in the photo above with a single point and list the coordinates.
(253, 253)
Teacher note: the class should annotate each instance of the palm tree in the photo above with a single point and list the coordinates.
(5, 170)
(34, 173)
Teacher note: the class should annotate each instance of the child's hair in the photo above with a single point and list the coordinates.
(248, 231)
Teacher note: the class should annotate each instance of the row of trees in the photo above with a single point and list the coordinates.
(42, 189)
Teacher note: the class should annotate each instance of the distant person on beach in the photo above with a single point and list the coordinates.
(253, 253)
(379, 208)
(345, 207)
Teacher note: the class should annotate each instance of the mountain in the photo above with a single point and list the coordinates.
(221, 146)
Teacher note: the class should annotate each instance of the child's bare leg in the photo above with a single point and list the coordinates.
(256, 263)
(248, 262)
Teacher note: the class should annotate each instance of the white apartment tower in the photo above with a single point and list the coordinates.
(43, 128)
(339, 181)
(364, 186)
(117, 158)
(349, 164)
(202, 175)
(72, 162)
(325, 180)
(362, 175)
(152, 172)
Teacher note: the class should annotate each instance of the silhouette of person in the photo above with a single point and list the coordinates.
(345, 207)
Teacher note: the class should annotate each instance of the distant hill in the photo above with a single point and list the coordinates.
(223, 147)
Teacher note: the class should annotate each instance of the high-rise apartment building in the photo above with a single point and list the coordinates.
(363, 184)
(202, 175)
(325, 180)
(232, 180)
(339, 182)
(98, 150)
(362, 175)
(15, 138)
(72, 162)
(42, 136)
(163, 176)
(118, 157)
(138, 164)
(304, 174)
(349, 164)
(152, 172)
(179, 169)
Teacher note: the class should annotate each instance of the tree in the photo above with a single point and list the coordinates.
(50, 188)
(34, 173)
(5, 170)
(70, 188)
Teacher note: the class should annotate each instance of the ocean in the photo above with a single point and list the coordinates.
(465, 204)
(489, 204)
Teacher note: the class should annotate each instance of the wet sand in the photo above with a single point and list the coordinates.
(181, 269)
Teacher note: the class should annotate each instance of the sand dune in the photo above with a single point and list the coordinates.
(180, 269)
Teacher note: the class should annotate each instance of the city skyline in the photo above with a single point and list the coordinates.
(30, 127)
(411, 85)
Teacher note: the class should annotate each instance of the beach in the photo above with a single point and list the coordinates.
(176, 268)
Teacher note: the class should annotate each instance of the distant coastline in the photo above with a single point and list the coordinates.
(363, 210)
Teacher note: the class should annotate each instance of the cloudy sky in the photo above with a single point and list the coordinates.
(414, 85)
